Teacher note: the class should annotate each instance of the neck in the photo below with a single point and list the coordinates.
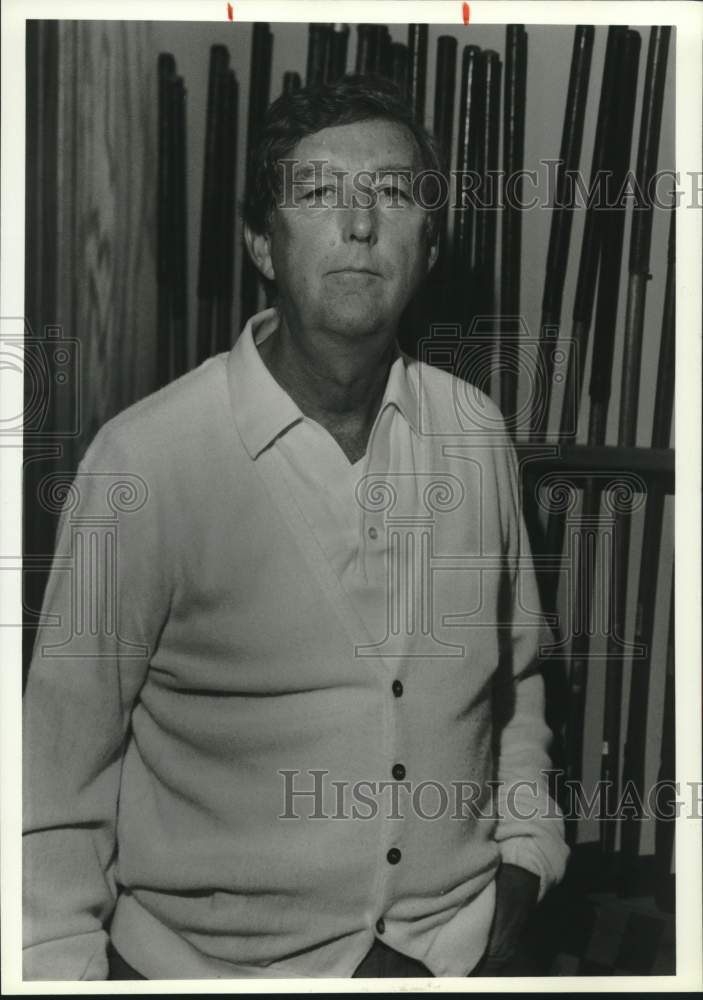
(337, 382)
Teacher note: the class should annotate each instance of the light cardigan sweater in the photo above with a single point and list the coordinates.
(233, 643)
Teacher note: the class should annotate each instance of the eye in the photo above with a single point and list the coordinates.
(394, 194)
(318, 194)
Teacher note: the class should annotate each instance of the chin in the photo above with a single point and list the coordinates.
(362, 331)
(358, 322)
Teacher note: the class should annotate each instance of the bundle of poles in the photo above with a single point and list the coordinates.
(172, 240)
(598, 285)
(216, 263)
(473, 284)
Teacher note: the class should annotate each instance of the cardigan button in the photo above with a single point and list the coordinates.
(398, 772)
(381, 925)
(397, 688)
(393, 856)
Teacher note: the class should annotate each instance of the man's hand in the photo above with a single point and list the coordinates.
(516, 897)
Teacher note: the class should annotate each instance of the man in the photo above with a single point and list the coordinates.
(322, 599)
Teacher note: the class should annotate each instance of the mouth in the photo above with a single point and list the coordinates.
(355, 270)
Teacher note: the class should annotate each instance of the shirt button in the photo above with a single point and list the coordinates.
(397, 688)
(393, 856)
(398, 772)
(381, 925)
(373, 533)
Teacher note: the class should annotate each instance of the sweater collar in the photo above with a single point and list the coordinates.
(263, 410)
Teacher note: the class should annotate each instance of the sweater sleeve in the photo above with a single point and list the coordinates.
(101, 614)
(530, 828)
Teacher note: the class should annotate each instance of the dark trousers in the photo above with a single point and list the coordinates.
(380, 962)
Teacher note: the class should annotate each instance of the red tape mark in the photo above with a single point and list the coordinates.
(230, 12)
(466, 12)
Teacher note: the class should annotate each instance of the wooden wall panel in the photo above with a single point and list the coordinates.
(90, 244)
(107, 137)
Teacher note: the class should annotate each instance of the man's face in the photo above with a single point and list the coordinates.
(348, 247)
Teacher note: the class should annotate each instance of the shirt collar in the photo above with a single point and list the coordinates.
(400, 390)
(263, 410)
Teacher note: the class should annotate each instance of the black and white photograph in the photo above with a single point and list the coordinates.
(351, 467)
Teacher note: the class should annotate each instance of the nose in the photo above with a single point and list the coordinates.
(361, 225)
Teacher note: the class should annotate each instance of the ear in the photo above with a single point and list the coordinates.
(259, 247)
(432, 253)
